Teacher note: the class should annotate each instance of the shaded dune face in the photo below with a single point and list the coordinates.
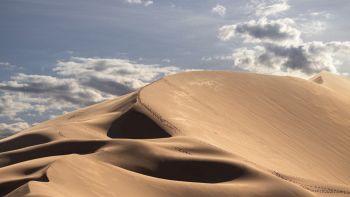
(63, 147)
(9, 186)
(135, 125)
(201, 171)
(189, 144)
(23, 141)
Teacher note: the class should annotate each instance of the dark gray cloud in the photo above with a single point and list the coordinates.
(306, 58)
(280, 31)
(295, 57)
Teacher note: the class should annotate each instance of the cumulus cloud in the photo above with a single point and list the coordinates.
(281, 31)
(142, 2)
(87, 80)
(277, 46)
(77, 82)
(269, 7)
(307, 58)
(219, 9)
(10, 106)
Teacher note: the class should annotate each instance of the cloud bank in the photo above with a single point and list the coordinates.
(276, 45)
(77, 82)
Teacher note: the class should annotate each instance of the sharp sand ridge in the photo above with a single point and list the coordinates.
(205, 133)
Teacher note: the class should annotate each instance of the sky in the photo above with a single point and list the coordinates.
(57, 56)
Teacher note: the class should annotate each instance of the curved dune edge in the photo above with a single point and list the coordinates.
(192, 134)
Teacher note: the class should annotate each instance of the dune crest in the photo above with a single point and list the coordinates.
(192, 134)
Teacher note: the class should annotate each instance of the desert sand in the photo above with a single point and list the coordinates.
(204, 133)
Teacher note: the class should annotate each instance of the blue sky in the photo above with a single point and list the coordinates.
(56, 56)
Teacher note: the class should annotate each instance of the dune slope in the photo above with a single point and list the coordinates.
(192, 134)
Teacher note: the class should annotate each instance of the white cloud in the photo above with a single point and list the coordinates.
(310, 27)
(312, 23)
(219, 9)
(166, 60)
(321, 14)
(147, 3)
(10, 105)
(143, 2)
(269, 7)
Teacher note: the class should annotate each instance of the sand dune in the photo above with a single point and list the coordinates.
(192, 134)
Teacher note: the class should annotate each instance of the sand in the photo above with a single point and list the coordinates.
(205, 133)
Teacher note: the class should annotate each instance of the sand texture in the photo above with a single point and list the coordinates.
(205, 133)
